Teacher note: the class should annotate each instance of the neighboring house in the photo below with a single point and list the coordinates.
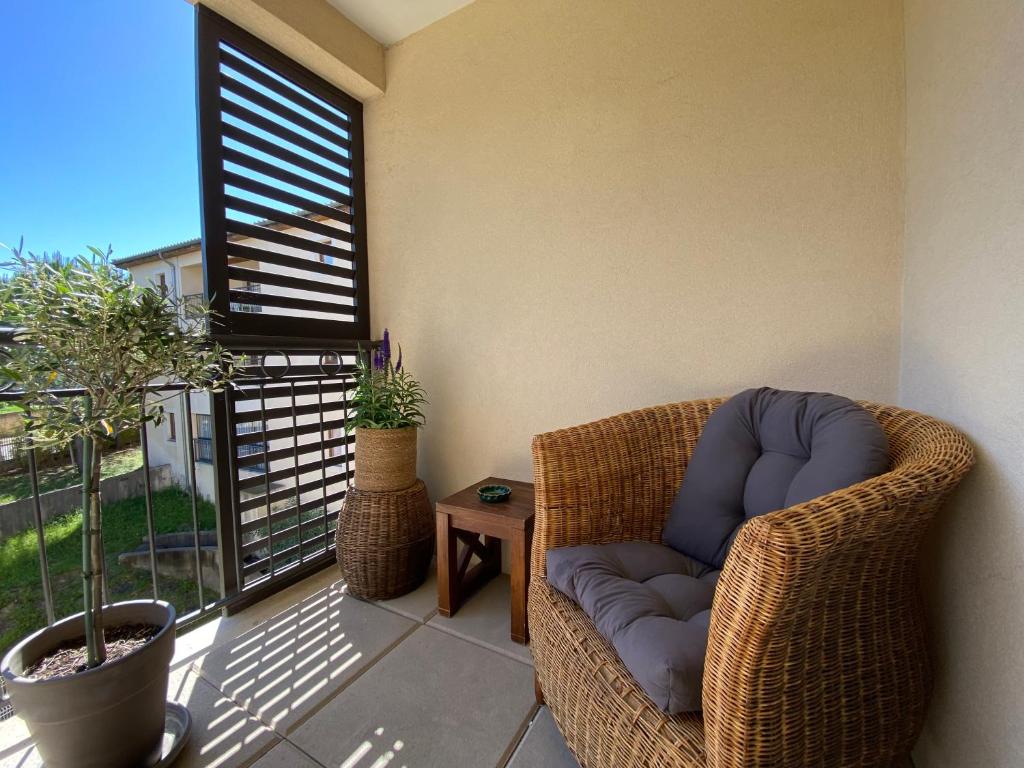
(178, 270)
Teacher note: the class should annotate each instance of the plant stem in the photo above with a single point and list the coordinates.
(99, 571)
(92, 653)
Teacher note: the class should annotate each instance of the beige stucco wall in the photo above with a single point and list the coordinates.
(963, 359)
(577, 209)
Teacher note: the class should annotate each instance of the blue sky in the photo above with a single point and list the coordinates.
(98, 130)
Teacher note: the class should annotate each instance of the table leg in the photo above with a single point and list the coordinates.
(520, 582)
(493, 561)
(447, 579)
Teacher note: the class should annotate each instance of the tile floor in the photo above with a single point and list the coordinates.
(313, 678)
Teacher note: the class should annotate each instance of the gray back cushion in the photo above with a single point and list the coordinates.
(767, 449)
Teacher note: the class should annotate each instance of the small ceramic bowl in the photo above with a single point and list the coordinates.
(492, 494)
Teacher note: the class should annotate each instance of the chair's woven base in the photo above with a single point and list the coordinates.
(606, 719)
(385, 541)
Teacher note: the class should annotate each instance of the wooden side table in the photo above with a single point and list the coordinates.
(463, 517)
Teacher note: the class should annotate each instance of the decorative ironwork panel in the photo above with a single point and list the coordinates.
(291, 457)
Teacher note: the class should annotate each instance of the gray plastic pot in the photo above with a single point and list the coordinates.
(108, 717)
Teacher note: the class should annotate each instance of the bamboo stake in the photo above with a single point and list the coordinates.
(98, 558)
(92, 653)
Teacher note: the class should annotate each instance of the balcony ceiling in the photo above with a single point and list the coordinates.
(389, 21)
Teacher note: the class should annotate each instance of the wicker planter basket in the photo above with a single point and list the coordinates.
(385, 459)
(385, 541)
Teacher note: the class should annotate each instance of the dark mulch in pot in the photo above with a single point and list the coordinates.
(70, 656)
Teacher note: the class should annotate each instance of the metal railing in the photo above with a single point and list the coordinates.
(193, 303)
(253, 288)
(281, 458)
(10, 451)
(193, 309)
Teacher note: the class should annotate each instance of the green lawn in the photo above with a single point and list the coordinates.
(18, 486)
(124, 527)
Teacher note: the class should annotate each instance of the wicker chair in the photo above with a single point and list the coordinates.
(816, 652)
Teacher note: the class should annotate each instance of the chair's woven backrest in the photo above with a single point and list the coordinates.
(612, 479)
(816, 652)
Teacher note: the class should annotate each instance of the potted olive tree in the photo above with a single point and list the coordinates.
(388, 409)
(92, 688)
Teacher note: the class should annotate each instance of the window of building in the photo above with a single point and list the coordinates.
(252, 449)
(202, 440)
(248, 427)
(172, 433)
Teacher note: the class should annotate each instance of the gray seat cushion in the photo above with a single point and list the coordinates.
(762, 450)
(652, 603)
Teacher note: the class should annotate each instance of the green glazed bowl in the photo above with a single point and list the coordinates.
(492, 494)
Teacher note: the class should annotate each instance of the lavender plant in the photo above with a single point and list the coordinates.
(386, 396)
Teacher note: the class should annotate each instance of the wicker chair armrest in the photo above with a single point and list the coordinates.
(613, 479)
(814, 603)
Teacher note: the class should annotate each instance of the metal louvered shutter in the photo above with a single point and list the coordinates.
(283, 206)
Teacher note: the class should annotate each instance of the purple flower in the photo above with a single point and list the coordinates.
(378, 360)
(398, 366)
(385, 347)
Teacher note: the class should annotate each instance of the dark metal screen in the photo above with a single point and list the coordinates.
(284, 235)
(284, 260)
